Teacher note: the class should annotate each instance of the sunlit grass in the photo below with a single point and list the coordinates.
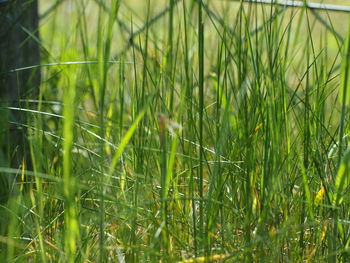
(214, 131)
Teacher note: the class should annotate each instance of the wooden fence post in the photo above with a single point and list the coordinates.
(19, 47)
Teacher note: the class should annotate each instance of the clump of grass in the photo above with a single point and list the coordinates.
(190, 131)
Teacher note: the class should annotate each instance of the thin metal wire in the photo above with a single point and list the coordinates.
(300, 4)
(50, 9)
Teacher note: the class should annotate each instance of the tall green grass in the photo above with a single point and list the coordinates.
(184, 131)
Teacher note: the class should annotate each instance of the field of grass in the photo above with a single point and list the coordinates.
(184, 131)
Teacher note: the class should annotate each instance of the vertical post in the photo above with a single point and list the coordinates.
(19, 47)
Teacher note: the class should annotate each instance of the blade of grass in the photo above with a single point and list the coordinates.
(201, 116)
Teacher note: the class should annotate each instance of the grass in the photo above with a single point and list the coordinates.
(183, 131)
